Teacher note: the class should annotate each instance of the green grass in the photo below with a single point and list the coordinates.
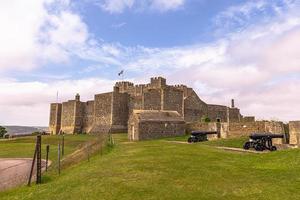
(159, 169)
(24, 147)
(235, 142)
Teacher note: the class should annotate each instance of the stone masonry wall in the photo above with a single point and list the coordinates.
(172, 99)
(236, 129)
(217, 112)
(240, 129)
(155, 130)
(68, 117)
(234, 115)
(120, 112)
(152, 99)
(79, 106)
(294, 131)
(248, 119)
(276, 128)
(102, 113)
(194, 108)
(88, 116)
(55, 118)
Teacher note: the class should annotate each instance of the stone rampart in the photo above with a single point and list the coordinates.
(152, 99)
(55, 118)
(68, 117)
(294, 132)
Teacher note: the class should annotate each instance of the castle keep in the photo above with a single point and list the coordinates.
(110, 112)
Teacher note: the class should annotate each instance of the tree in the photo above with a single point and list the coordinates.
(2, 131)
(205, 118)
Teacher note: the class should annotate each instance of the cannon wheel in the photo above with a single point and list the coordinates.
(273, 148)
(247, 145)
(190, 140)
(258, 147)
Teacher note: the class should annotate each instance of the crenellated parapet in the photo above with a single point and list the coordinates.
(158, 82)
(125, 86)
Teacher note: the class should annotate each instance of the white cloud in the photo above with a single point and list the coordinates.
(253, 65)
(164, 5)
(242, 15)
(38, 32)
(118, 6)
(32, 34)
(27, 103)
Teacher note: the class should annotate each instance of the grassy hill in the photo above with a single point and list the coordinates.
(160, 169)
(22, 130)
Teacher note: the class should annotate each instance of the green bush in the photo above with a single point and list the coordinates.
(2, 131)
(205, 119)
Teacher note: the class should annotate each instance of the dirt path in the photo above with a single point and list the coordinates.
(15, 172)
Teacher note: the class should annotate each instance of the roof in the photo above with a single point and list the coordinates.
(158, 115)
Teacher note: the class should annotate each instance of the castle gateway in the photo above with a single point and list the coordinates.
(110, 112)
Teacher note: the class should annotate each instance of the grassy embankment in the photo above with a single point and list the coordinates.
(160, 169)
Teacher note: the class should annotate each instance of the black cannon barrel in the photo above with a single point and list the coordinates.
(204, 132)
(265, 135)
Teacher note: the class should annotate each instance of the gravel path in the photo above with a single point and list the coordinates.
(15, 172)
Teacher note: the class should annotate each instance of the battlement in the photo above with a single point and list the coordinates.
(180, 86)
(124, 84)
(158, 82)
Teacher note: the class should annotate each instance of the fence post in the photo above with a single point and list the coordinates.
(63, 145)
(39, 160)
(32, 165)
(47, 156)
(58, 158)
(88, 151)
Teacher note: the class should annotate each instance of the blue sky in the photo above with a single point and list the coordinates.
(247, 50)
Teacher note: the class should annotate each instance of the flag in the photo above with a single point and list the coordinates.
(121, 72)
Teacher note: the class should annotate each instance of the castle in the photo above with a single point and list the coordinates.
(110, 112)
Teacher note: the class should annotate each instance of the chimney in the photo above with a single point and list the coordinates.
(232, 103)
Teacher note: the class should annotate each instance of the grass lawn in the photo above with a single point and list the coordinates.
(159, 169)
(24, 147)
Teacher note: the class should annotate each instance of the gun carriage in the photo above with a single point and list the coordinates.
(200, 136)
(262, 141)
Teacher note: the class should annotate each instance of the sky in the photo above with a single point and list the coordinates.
(224, 49)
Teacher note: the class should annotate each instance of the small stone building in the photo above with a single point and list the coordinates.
(153, 124)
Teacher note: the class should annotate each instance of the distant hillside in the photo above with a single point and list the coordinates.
(22, 130)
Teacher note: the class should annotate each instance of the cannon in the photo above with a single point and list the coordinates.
(262, 141)
(200, 136)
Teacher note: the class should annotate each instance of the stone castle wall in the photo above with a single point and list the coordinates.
(294, 132)
(194, 107)
(215, 112)
(55, 118)
(234, 115)
(68, 117)
(102, 112)
(161, 130)
(111, 111)
(240, 129)
(152, 99)
(88, 116)
(172, 99)
(120, 112)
